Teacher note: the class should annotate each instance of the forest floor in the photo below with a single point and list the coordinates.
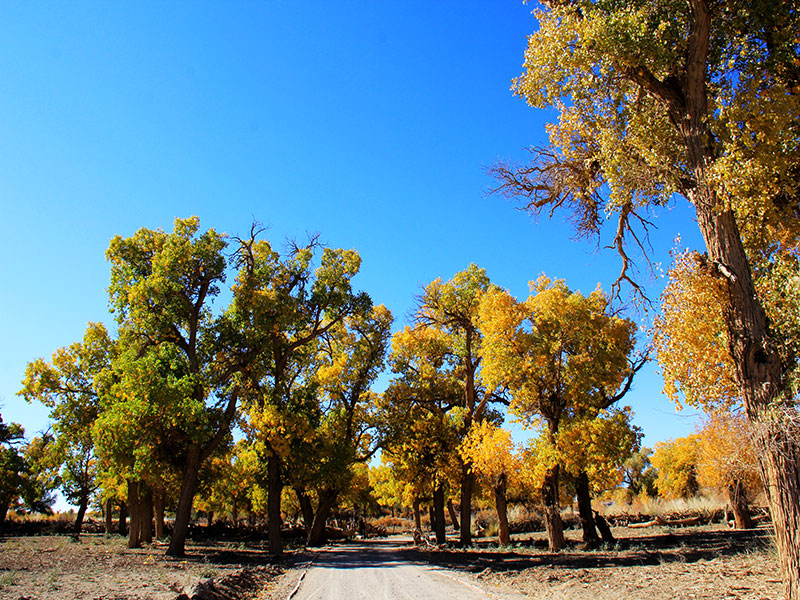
(654, 563)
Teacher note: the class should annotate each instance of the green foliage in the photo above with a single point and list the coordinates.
(23, 483)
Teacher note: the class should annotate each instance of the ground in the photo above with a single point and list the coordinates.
(56, 568)
(656, 563)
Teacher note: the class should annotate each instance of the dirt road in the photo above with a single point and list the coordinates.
(387, 570)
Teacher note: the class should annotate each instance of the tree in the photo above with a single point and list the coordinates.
(20, 484)
(640, 476)
(562, 356)
(70, 386)
(699, 99)
(451, 308)
(593, 452)
(285, 305)
(727, 461)
(676, 462)
(496, 459)
(161, 288)
(350, 358)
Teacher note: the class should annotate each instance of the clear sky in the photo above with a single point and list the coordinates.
(369, 122)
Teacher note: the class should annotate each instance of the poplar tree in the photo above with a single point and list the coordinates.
(698, 99)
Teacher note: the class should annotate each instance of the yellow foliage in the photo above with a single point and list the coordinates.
(726, 453)
(676, 461)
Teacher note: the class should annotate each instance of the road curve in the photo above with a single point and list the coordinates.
(386, 570)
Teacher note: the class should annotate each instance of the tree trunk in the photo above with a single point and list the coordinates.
(467, 481)
(274, 489)
(552, 510)
(605, 530)
(147, 516)
(159, 502)
(500, 503)
(109, 516)
(4, 506)
(438, 514)
(452, 510)
(123, 518)
(759, 369)
(316, 533)
(76, 528)
(305, 508)
(738, 501)
(134, 506)
(183, 514)
(590, 536)
(760, 376)
(417, 515)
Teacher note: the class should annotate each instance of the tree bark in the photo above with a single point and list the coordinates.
(183, 514)
(134, 507)
(585, 509)
(305, 508)
(76, 528)
(467, 482)
(109, 516)
(123, 518)
(274, 489)
(4, 506)
(552, 510)
(501, 505)
(417, 515)
(737, 496)
(316, 533)
(438, 514)
(452, 510)
(147, 516)
(605, 530)
(159, 502)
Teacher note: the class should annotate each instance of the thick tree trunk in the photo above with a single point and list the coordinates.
(467, 482)
(737, 496)
(183, 514)
(552, 510)
(417, 515)
(452, 510)
(501, 505)
(108, 509)
(123, 518)
(759, 370)
(159, 501)
(760, 375)
(134, 507)
(316, 534)
(274, 489)
(438, 514)
(585, 509)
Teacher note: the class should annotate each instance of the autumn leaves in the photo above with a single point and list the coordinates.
(559, 360)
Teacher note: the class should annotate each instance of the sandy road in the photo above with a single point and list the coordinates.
(386, 570)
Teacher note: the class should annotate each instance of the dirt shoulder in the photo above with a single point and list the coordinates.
(658, 563)
(56, 568)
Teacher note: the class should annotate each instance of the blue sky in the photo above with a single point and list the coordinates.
(371, 123)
